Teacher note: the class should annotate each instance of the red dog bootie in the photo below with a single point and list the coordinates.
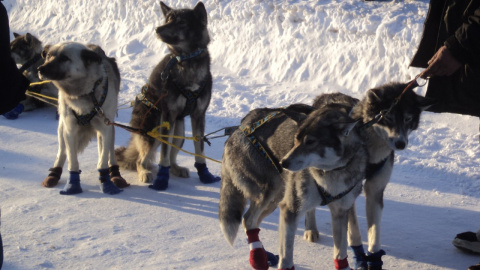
(341, 264)
(258, 256)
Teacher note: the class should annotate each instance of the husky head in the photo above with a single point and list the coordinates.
(25, 47)
(323, 140)
(404, 117)
(69, 64)
(184, 30)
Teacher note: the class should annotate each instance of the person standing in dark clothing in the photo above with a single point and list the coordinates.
(450, 53)
(12, 83)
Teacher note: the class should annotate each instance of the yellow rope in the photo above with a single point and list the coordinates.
(39, 83)
(40, 95)
(155, 134)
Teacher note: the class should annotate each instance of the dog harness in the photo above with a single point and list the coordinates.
(265, 152)
(84, 119)
(142, 98)
(190, 95)
(327, 197)
(373, 168)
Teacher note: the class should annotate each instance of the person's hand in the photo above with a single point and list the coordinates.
(442, 64)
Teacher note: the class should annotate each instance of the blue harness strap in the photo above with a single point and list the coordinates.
(265, 152)
(84, 119)
(142, 98)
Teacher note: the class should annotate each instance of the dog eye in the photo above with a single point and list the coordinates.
(63, 58)
(408, 119)
(171, 19)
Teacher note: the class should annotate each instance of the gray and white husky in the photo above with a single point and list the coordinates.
(180, 85)
(297, 161)
(382, 137)
(26, 51)
(88, 83)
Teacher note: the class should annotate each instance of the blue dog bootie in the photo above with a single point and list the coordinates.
(161, 181)
(359, 257)
(205, 176)
(106, 185)
(15, 112)
(73, 184)
(374, 260)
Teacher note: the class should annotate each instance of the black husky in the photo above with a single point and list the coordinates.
(180, 85)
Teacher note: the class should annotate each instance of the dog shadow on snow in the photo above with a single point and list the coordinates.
(409, 230)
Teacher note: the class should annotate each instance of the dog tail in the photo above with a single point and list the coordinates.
(127, 157)
(230, 208)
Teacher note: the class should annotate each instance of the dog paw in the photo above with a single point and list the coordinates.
(120, 182)
(145, 176)
(71, 189)
(179, 171)
(204, 174)
(52, 179)
(311, 235)
(108, 187)
(161, 181)
(258, 259)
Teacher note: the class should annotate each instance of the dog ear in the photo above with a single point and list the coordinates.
(165, 8)
(89, 57)
(347, 128)
(28, 37)
(45, 51)
(298, 112)
(15, 35)
(373, 95)
(200, 13)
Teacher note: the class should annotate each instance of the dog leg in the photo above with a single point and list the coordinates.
(198, 129)
(286, 228)
(146, 155)
(311, 232)
(113, 169)
(163, 175)
(106, 156)
(355, 240)
(259, 257)
(56, 171)
(374, 188)
(339, 230)
(179, 130)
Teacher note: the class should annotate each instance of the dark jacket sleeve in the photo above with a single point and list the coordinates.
(465, 44)
(12, 83)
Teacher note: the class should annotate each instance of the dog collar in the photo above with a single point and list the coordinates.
(181, 58)
(177, 59)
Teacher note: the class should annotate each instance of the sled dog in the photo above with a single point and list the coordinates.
(26, 51)
(180, 85)
(382, 139)
(88, 83)
(314, 159)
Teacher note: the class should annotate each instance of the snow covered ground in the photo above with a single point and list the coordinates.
(264, 53)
